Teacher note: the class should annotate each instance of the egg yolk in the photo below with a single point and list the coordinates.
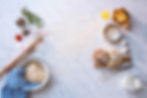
(105, 15)
(121, 17)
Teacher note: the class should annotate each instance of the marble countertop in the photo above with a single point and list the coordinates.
(74, 27)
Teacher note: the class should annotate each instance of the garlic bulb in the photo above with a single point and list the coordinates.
(132, 83)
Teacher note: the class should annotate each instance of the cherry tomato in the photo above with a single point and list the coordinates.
(18, 37)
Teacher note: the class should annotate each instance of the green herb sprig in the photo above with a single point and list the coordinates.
(32, 18)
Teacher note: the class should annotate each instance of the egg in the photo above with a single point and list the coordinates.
(122, 18)
(105, 15)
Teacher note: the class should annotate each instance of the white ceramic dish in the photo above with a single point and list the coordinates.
(112, 33)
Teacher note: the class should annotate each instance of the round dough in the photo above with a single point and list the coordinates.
(34, 72)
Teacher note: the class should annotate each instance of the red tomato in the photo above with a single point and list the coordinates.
(18, 37)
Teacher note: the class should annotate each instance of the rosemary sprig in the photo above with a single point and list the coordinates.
(32, 18)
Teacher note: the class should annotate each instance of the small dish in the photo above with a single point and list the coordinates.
(122, 17)
(112, 33)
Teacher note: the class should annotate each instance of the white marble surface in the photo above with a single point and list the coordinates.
(74, 27)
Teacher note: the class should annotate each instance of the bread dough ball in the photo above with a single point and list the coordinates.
(35, 73)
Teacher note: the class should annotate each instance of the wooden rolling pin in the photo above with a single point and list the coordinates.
(21, 56)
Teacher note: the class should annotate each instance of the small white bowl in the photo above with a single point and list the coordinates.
(114, 31)
(44, 66)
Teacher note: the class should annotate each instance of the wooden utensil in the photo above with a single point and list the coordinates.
(21, 56)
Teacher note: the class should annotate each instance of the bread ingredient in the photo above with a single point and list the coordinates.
(112, 34)
(115, 60)
(110, 58)
(105, 15)
(34, 72)
(122, 18)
